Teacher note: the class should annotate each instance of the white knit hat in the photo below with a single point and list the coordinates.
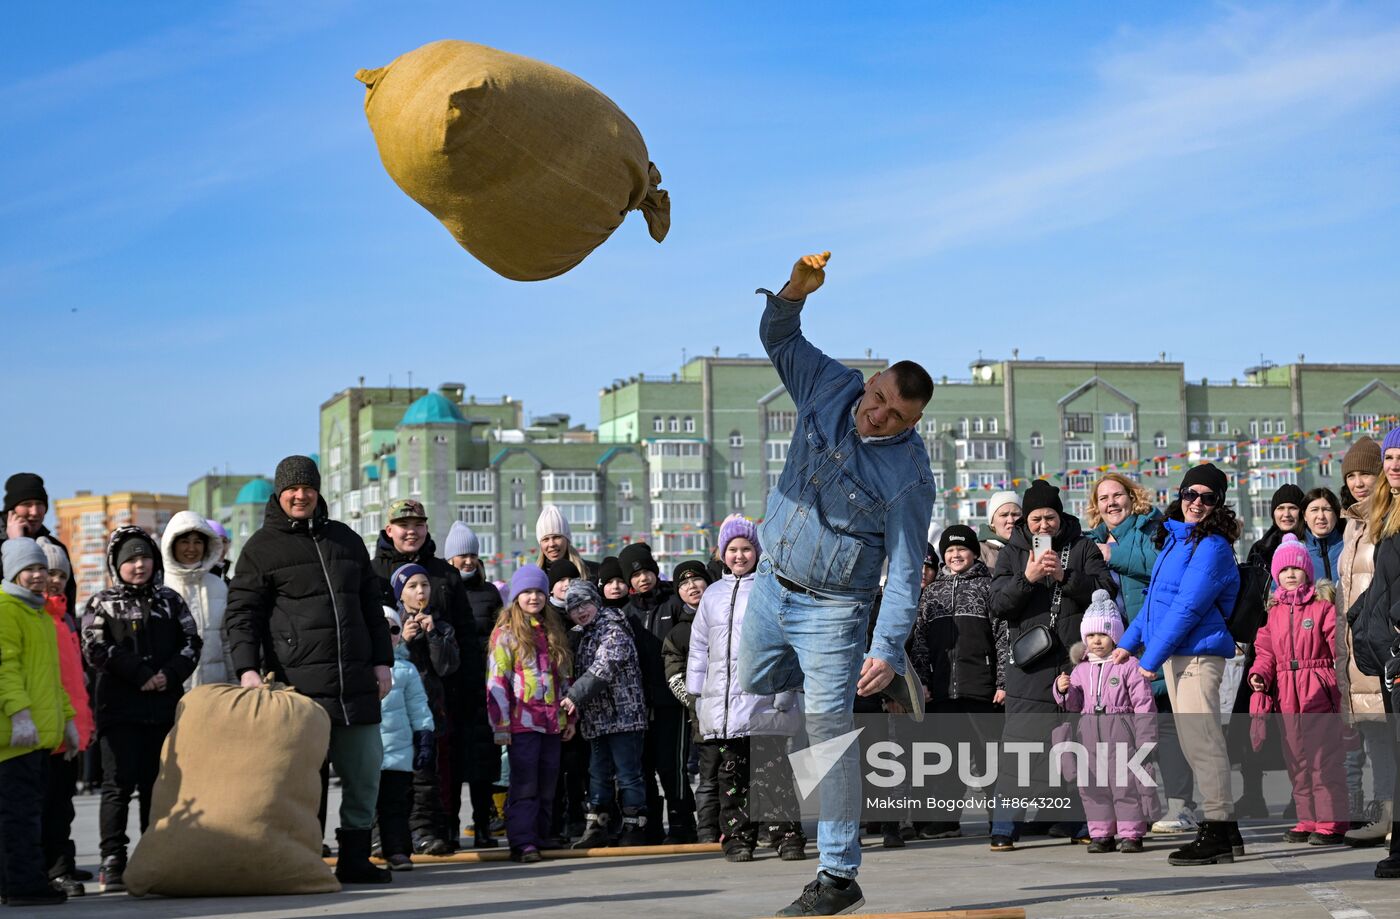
(552, 523)
(1000, 498)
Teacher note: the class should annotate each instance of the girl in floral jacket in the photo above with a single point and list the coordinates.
(528, 665)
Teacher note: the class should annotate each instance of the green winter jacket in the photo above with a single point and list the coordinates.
(29, 674)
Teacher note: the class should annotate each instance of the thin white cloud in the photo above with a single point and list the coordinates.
(1229, 91)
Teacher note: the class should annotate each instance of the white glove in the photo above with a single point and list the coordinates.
(23, 733)
(70, 739)
(677, 684)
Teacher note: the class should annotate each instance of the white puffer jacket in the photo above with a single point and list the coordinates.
(204, 593)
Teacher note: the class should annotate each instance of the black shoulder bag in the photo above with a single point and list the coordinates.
(1034, 643)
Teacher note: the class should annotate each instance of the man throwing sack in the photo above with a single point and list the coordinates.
(856, 490)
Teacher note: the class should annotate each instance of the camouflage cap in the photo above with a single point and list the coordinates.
(406, 509)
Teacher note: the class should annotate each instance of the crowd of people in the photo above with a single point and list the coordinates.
(603, 704)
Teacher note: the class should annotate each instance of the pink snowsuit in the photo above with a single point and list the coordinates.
(1116, 705)
(1295, 654)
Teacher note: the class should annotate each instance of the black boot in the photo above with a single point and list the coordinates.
(1388, 868)
(634, 827)
(352, 864)
(1210, 847)
(481, 836)
(1232, 833)
(595, 833)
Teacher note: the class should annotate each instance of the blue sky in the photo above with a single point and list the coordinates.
(198, 244)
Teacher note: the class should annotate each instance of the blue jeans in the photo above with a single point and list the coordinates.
(619, 757)
(793, 641)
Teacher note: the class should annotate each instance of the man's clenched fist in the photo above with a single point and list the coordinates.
(807, 275)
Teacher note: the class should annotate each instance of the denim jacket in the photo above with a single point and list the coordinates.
(843, 505)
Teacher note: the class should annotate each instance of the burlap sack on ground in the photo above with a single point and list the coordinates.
(234, 809)
(528, 166)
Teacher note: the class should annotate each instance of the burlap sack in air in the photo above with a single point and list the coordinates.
(528, 167)
(234, 808)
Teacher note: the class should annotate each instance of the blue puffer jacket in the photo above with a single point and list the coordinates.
(1325, 552)
(403, 712)
(1192, 592)
(1133, 556)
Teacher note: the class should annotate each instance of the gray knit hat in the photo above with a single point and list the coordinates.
(296, 470)
(461, 541)
(58, 559)
(20, 553)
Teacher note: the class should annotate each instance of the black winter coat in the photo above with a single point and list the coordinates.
(437, 654)
(1023, 606)
(129, 635)
(485, 602)
(957, 648)
(305, 604)
(652, 615)
(1374, 617)
(675, 652)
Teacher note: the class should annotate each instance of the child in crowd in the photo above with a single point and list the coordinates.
(59, 852)
(612, 583)
(732, 716)
(528, 676)
(141, 639)
(691, 579)
(959, 652)
(36, 716)
(1115, 702)
(190, 548)
(406, 729)
(607, 699)
(561, 574)
(572, 791)
(430, 642)
(1295, 663)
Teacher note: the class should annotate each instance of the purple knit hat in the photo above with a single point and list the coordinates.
(738, 526)
(527, 577)
(1101, 618)
(1392, 439)
(1292, 554)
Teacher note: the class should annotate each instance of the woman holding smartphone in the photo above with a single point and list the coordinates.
(1045, 577)
(1182, 629)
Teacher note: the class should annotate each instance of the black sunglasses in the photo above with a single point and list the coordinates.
(1208, 498)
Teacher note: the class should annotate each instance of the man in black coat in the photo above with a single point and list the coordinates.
(446, 658)
(304, 605)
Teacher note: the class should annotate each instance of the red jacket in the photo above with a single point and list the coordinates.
(1296, 652)
(70, 664)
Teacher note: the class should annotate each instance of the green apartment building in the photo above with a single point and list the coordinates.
(672, 457)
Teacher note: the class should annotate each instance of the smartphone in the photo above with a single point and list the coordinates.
(1040, 545)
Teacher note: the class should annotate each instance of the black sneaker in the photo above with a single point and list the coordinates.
(1296, 836)
(70, 885)
(1388, 868)
(530, 855)
(891, 838)
(823, 898)
(1002, 844)
(1102, 845)
(109, 876)
(945, 829)
(738, 850)
(1130, 845)
(1327, 839)
(792, 847)
(430, 845)
(400, 862)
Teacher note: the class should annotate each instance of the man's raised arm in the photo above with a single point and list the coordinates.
(800, 365)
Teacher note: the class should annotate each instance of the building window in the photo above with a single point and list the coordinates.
(1254, 427)
(1161, 468)
(678, 512)
(1210, 425)
(782, 422)
(579, 514)
(1120, 454)
(1268, 426)
(683, 481)
(1163, 497)
(413, 490)
(736, 440)
(1036, 440)
(673, 448)
(472, 481)
(517, 494)
(1079, 453)
(353, 501)
(393, 487)
(488, 544)
(1159, 440)
(1324, 468)
(1037, 468)
(624, 487)
(372, 522)
(1364, 422)
(477, 515)
(771, 479)
(736, 469)
(962, 427)
(736, 500)
(675, 424)
(977, 426)
(1195, 426)
(658, 425)
(992, 426)
(983, 480)
(335, 457)
(570, 482)
(777, 451)
(981, 450)
(440, 439)
(1118, 423)
(1325, 440)
(517, 532)
(624, 515)
(1079, 423)
(689, 424)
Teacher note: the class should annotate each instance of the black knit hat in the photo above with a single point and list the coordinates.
(296, 470)
(1210, 476)
(1288, 494)
(637, 557)
(691, 568)
(22, 487)
(958, 535)
(609, 569)
(1040, 495)
(560, 570)
(931, 555)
